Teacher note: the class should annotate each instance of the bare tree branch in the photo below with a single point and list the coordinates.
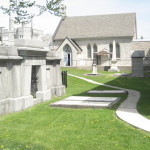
(19, 8)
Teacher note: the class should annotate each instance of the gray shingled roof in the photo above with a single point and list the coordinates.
(115, 25)
(141, 45)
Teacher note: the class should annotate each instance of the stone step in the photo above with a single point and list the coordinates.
(107, 92)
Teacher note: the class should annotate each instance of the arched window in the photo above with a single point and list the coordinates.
(95, 47)
(117, 50)
(89, 51)
(111, 49)
(67, 48)
(94, 51)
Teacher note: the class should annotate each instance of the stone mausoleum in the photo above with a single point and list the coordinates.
(29, 74)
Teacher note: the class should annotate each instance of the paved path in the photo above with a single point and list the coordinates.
(127, 110)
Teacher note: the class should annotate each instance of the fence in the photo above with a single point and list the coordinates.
(64, 78)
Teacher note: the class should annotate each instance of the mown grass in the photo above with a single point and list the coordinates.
(140, 84)
(44, 128)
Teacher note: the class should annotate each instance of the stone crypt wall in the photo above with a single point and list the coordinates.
(16, 71)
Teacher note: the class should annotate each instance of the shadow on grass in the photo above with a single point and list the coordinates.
(115, 106)
(135, 83)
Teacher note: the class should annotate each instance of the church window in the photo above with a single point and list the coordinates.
(5, 37)
(89, 51)
(117, 50)
(111, 50)
(21, 36)
(95, 50)
(14, 36)
(67, 48)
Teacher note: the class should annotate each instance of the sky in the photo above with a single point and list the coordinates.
(48, 22)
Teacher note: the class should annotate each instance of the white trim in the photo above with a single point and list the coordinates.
(141, 40)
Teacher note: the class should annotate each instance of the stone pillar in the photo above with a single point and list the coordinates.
(16, 101)
(54, 74)
(26, 86)
(16, 80)
(26, 82)
(58, 74)
(43, 93)
(114, 67)
(114, 51)
(42, 85)
(137, 63)
(57, 88)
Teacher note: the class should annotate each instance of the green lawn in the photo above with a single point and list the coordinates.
(44, 128)
(140, 84)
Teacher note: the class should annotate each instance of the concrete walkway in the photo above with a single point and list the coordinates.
(127, 110)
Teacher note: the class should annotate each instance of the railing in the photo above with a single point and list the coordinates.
(64, 78)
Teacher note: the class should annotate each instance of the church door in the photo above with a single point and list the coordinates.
(67, 55)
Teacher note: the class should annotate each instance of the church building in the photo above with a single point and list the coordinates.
(105, 40)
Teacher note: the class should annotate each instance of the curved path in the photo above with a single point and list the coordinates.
(127, 110)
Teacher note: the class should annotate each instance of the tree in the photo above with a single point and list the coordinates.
(20, 9)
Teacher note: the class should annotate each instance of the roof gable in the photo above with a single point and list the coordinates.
(116, 25)
(71, 43)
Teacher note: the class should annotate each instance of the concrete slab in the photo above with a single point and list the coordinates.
(87, 98)
(107, 92)
(77, 104)
(86, 102)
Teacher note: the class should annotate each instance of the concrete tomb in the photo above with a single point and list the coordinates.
(86, 102)
(137, 63)
(107, 92)
(29, 74)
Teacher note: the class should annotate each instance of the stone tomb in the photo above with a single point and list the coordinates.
(29, 74)
(137, 63)
(107, 92)
(86, 102)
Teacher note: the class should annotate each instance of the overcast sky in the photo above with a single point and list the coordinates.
(48, 23)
